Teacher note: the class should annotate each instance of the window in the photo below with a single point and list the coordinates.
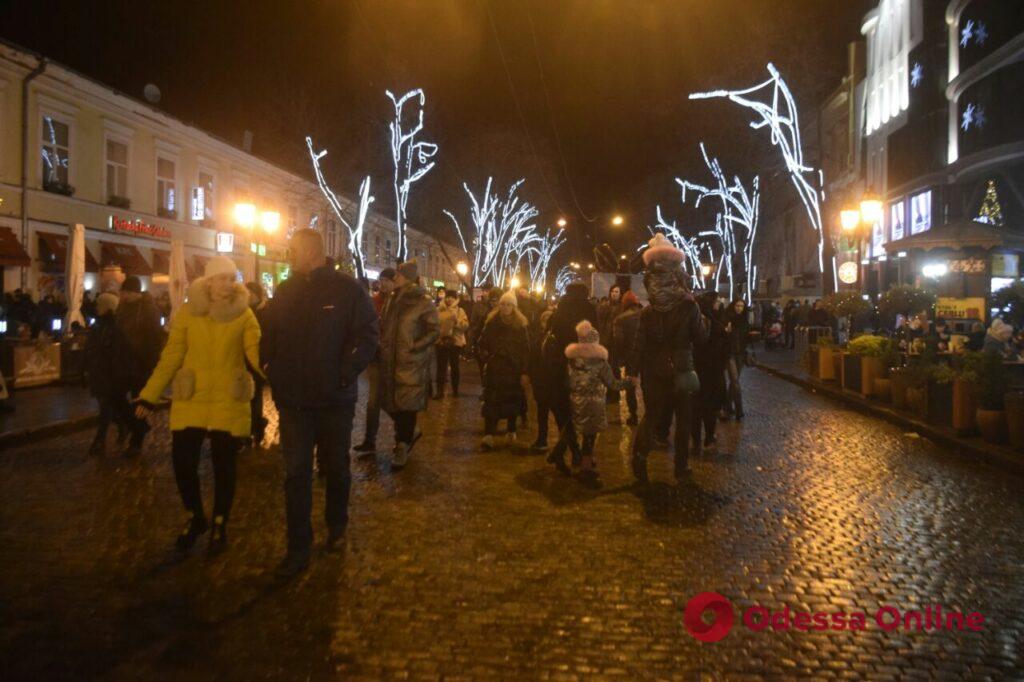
(921, 212)
(376, 249)
(878, 239)
(206, 183)
(117, 169)
(166, 193)
(293, 219)
(891, 30)
(897, 220)
(56, 152)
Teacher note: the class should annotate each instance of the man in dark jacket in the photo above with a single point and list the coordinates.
(320, 332)
(623, 332)
(663, 354)
(108, 370)
(139, 320)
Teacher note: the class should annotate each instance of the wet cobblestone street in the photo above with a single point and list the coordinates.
(471, 564)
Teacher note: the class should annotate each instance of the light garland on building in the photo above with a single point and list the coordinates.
(412, 160)
(355, 234)
(780, 116)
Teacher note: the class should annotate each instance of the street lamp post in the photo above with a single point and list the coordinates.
(247, 217)
(856, 223)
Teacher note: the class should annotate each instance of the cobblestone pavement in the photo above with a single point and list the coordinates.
(470, 565)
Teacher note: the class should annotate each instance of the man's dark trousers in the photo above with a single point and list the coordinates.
(329, 430)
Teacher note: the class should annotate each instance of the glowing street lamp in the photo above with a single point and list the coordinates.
(462, 268)
(590, 266)
(705, 269)
(618, 220)
(849, 219)
(270, 221)
(245, 215)
(870, 207)
(562, 222)
(514, 282)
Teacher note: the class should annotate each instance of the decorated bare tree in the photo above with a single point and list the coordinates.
(412, 160)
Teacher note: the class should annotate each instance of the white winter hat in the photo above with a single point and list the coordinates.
(220, 265)
(106, 303)
(586, 333)
(509, 297)
(660, 248)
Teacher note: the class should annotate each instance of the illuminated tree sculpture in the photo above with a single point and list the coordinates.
(503, 233)
(355, 234)
(690, 246)
(736, 224)
(412, 160)
(779, 115)
(564, 278)
(538, 256)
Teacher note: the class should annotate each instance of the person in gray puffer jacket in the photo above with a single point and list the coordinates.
(590, 377)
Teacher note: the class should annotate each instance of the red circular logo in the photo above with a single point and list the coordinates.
(717, 628)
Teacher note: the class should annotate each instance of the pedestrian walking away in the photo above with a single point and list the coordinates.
(409, 329)
(738, 329)
(623, 333)
(663, 354)
(590, 376)
(320, 333)
(504, 348)
(139, 319)
(453, 324)
(109, 372)
(368, 446)
(212, 338)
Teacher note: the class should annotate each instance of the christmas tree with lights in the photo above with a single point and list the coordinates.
(991, 213)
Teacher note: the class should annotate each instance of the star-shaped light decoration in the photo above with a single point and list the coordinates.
(967, 120)
(981, 34)
(979, 117)
(916, 74)
(966, 33)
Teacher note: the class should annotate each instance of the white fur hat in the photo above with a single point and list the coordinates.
(106, 303)
(509, 297)
(660, 248)
(586, 332)
(220, 265)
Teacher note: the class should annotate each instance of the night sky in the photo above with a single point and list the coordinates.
(586, 99)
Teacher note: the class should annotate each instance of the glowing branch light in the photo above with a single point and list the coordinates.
(566, 276)
(779, 114)
(355, 234)
(503, 233)
(690, 247)
(539, 257)
(739, 208)
(412, 161)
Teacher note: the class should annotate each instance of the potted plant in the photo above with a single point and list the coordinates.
(1014, 405)
(965, 405)
(852, 374)
(119, 202)
(58, 187)
(890, 360)
(939, 399)
(905, 300)
(869, 349)
(820, 359)
(847, 304)
(914, 383)
(989, 382)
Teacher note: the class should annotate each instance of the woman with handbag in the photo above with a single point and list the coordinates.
(212, 336)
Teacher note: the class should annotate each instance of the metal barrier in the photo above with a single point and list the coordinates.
(806, 336)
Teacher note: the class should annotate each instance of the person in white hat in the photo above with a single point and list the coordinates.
(212, 336)
(663, 354)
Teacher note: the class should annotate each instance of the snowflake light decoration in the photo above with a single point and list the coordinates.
(967, 33)
(973, 117)
(981, 33)
(916, 74)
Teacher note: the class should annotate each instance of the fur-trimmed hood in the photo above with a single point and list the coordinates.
(520, 319)
(586, 351)
(200, 304)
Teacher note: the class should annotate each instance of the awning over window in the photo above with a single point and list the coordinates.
(127, 256)
(53, 252)
(11, 252)
(161, 261)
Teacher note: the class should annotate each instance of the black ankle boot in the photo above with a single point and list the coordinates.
(194, 527)
(218, 536)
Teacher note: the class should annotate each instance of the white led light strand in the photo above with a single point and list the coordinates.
(355, 234)
(565, 276)
(539, 257)
(689, 246)
(412, 160)
(780, 115)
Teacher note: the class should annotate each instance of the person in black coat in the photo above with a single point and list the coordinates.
(505, 350)
(139, 320)
(662, 354)
(573, 308)
(318, 335)
(109, 371)
(738, 329)
(710, 360)
(623, 333)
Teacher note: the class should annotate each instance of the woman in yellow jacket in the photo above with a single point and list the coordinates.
(211, 338)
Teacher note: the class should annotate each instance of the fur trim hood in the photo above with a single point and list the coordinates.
(201, 305)
(586, 351)
(520, 319)
(659, 248)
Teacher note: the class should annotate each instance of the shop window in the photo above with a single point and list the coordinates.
(117, 172)
(56, 152)
(897, 220)
(206, 183)
(166, 192)
(921, 212)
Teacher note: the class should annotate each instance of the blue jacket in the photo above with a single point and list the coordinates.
(320, 331)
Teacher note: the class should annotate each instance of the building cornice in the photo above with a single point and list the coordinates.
(1004, 55)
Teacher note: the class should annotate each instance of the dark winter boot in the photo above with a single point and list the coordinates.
(98, 448)
(194, 527)
(639, 466)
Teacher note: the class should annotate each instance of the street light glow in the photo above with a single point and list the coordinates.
(270, 221)
(462, 268)
(934, 270)
(849, 219)
(514, 282)
(562, 222)
(870, 208)
(245, 215)
(618, 220)
(705, 269)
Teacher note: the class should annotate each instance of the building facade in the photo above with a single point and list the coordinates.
(74, 151)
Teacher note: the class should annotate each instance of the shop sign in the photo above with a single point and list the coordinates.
(137, 227)
(1005, 265)
(968, 266)
(960, 308)
(36, 364)
(225, 242)
(848, 272)
(438, 283)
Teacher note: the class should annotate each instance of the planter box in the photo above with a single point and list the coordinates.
(1015, 418)
(917, 401)
(823, 363)
(964, 407)
(899, 383)
(940, 404)
(852, 376)
(992, 424)
(882, 389)
(870, 369)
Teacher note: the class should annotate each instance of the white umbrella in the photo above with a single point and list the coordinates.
(74, 276)
(178, 276)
